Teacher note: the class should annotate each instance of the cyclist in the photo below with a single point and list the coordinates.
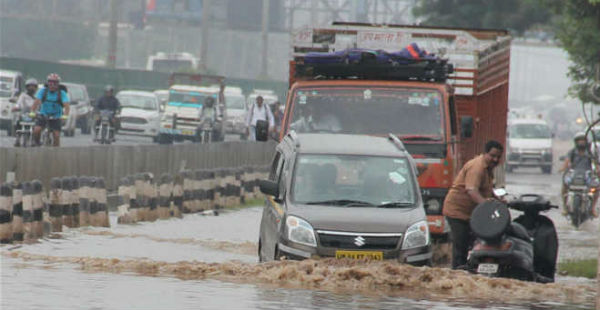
(50, 102)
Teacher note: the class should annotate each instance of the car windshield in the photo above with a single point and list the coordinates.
(235, 102)
(172, 65)
(6, 86)
(370, 180)
(530, 131)
(369, 110)
(137, 102)
(194, 99)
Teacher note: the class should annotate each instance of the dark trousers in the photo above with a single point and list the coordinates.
(461, 241)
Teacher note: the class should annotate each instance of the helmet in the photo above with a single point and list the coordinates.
(579, 136)
(31, 82)
(53, 77)
(109, 88)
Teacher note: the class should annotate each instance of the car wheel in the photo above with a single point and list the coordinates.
(165, 139)
(86, 126)
(10, 131)
(547, 169)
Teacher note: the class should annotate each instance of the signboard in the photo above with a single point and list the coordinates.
(386, 40)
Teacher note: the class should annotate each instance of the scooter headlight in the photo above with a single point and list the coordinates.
(417, 235)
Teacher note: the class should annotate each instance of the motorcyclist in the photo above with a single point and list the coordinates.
(209, 109)
(50, 102)
(108, 102)
(25, 104)
(578, 158)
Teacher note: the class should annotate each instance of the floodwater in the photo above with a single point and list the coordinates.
(210, 262)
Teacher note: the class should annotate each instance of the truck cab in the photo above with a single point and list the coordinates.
(444, 109)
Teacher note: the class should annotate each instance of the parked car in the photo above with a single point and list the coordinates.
(529, 145)
(140, 113)
(81, 103)
(343, 196)
(11, 86)
(236, 111)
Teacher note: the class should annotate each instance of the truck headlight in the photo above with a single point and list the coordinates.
(300, 231)
(417, 235)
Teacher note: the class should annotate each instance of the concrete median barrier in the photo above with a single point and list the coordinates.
(17, 212)
(38, 209)
(6, 233)
(117, 161)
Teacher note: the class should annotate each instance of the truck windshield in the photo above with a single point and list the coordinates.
(367, 180)
(190, 99)
(530, 131)
(368, 110)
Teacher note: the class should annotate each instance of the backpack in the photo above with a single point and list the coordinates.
(61, 88)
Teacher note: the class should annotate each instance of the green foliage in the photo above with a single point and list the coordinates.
(579, 268)
(578, 31)
(515, 15)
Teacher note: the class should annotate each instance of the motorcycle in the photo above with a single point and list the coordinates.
(582, 186)
(206, 128)
(104, 129)
(24, 132)
(524, 249)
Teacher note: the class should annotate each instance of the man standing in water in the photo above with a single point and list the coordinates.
(473, 185)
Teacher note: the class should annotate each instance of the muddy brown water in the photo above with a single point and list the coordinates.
(201, 262)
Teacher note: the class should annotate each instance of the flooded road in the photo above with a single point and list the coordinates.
(210, 262)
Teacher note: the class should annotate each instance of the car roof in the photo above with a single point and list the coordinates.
(68, 84)
(201, 89)
(346, 144)
(137, 93)
(528, 121)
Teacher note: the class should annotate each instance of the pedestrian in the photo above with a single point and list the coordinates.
(258, 112)
(473, 185)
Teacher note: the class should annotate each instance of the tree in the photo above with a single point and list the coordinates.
(514, 15)
(578, 31)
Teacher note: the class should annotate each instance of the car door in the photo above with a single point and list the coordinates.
(273, 211)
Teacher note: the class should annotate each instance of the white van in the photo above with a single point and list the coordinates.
(11, 86)
(529, 145)
(235, 102)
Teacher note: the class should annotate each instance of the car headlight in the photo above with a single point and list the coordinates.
(417, 235)
(300, 231)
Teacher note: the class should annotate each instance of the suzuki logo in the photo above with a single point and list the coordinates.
(359, 241)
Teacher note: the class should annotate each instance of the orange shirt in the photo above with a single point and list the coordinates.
(474, 175)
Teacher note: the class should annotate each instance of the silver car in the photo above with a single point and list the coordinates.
(343, 196)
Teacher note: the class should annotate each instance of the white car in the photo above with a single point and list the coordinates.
(140, 113)
(11, 86)
(236, 111)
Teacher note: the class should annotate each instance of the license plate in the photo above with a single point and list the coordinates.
(374, 255)
(487, 268)
(188, 132)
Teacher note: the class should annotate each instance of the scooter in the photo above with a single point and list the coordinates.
(206, 129)
(524, 249)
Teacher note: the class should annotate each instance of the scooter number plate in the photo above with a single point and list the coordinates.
(487, 268)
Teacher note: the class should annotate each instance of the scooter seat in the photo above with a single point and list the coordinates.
(517, 230)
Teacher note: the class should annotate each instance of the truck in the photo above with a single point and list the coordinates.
(443, 110)
(181, 118)
(172, 62)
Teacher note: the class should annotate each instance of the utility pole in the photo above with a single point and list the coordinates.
(111, 60)
(204, 42)
(265, 39)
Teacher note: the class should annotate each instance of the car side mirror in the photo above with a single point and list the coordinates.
(269, 188)
(466, 126)
(262, 130)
